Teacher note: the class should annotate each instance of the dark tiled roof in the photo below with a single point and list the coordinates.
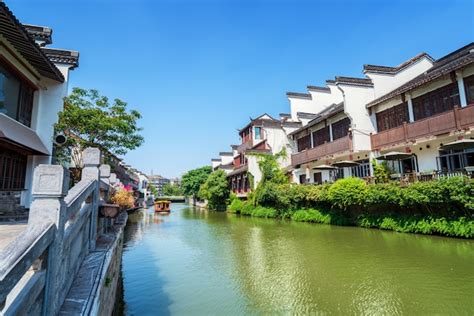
(319, 89)
(386, 69)
(238, 170)
(291, 124)
(17, 35)
(225, 153)
(59, 56)
(215, 159)
(355, 81)
(40, 33)
(299, 95)
(321, 116)
(234, 147)
(285, 115)
(306, 115)
(330, 81)
(443, 66)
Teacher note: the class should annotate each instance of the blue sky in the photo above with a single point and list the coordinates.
(197, 70)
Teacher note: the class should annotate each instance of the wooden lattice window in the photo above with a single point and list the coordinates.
(304, 143)
(469, 87)
(437, 101)
(12, 170)
(321, 136)
(340, 128)
(392, 117)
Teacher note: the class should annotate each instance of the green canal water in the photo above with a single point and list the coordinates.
(194, 262)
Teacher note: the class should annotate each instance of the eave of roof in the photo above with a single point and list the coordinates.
(306, 115)
(299, 95)
(328, 112)
(319, 89)
(443, 66)
(17, 35)
(40, 33)
(365, 82)
(225, 153)
(392, 70)
(62, 56)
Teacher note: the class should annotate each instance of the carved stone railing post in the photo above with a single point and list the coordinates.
(105, 178)
(91, 161)
(50, 186)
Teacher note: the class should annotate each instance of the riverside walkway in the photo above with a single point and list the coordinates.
(65, 250)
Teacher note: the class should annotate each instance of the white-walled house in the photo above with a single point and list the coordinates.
(33, 82)
(263, 134)
(424, 115)
(341, 132)
(224, 162)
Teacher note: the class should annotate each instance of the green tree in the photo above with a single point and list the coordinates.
(91, 120)
(172, 190)
(216, 191)
(193, 179)
(153, 189)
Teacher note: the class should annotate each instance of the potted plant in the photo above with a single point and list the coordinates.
(123, 197)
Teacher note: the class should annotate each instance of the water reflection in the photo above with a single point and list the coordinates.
(197, 262)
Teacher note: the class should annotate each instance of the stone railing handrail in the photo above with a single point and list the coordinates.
(18, 256)
(38, 267)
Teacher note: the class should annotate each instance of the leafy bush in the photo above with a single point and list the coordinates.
(236, 205)
(215, 190)
(311, 215)
(347, 193)
(267, 212)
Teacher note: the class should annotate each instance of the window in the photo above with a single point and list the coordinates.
(469, 87)
(318, 178)
(321, 136)
(302, 179)
(12, 170)
(304, 143)
(392, 117)
(435, 102)
(340, 128)
(258, 133)
(16, 97)
(362, 170)
(455, 160)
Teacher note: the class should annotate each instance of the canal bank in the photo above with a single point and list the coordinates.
(198, 262)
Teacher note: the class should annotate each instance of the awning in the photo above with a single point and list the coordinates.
(459, 144)
(324, 167)
(394, 155)
(22, 136)
(345, 163)
(238, 170)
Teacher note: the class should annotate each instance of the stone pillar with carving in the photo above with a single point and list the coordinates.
(105, 181)
(91, 160)
(50, 186)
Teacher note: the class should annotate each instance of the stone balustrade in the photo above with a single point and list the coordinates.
(38, 267)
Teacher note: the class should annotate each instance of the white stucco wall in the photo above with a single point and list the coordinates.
(384, 83)
(355, 100)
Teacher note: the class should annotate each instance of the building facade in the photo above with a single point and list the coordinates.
(419, 116)
(33, 82)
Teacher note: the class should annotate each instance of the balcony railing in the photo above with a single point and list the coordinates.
(456, 119)
(331, 148)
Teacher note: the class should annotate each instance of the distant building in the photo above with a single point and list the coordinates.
(158, 182)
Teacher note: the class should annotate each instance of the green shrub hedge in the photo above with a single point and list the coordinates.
(443, 207)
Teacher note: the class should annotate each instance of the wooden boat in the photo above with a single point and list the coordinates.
(162, 206)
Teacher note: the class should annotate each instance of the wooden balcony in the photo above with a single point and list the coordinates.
(318, 152)
(443, 123)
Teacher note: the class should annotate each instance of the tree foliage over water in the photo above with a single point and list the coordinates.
(193, 179)
(170, 189)
(216, 190)
(92, 120)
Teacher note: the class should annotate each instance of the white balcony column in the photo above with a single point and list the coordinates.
(462, 91)
(330, 133)
(308, 174)
(411, 117)
(311, 138)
